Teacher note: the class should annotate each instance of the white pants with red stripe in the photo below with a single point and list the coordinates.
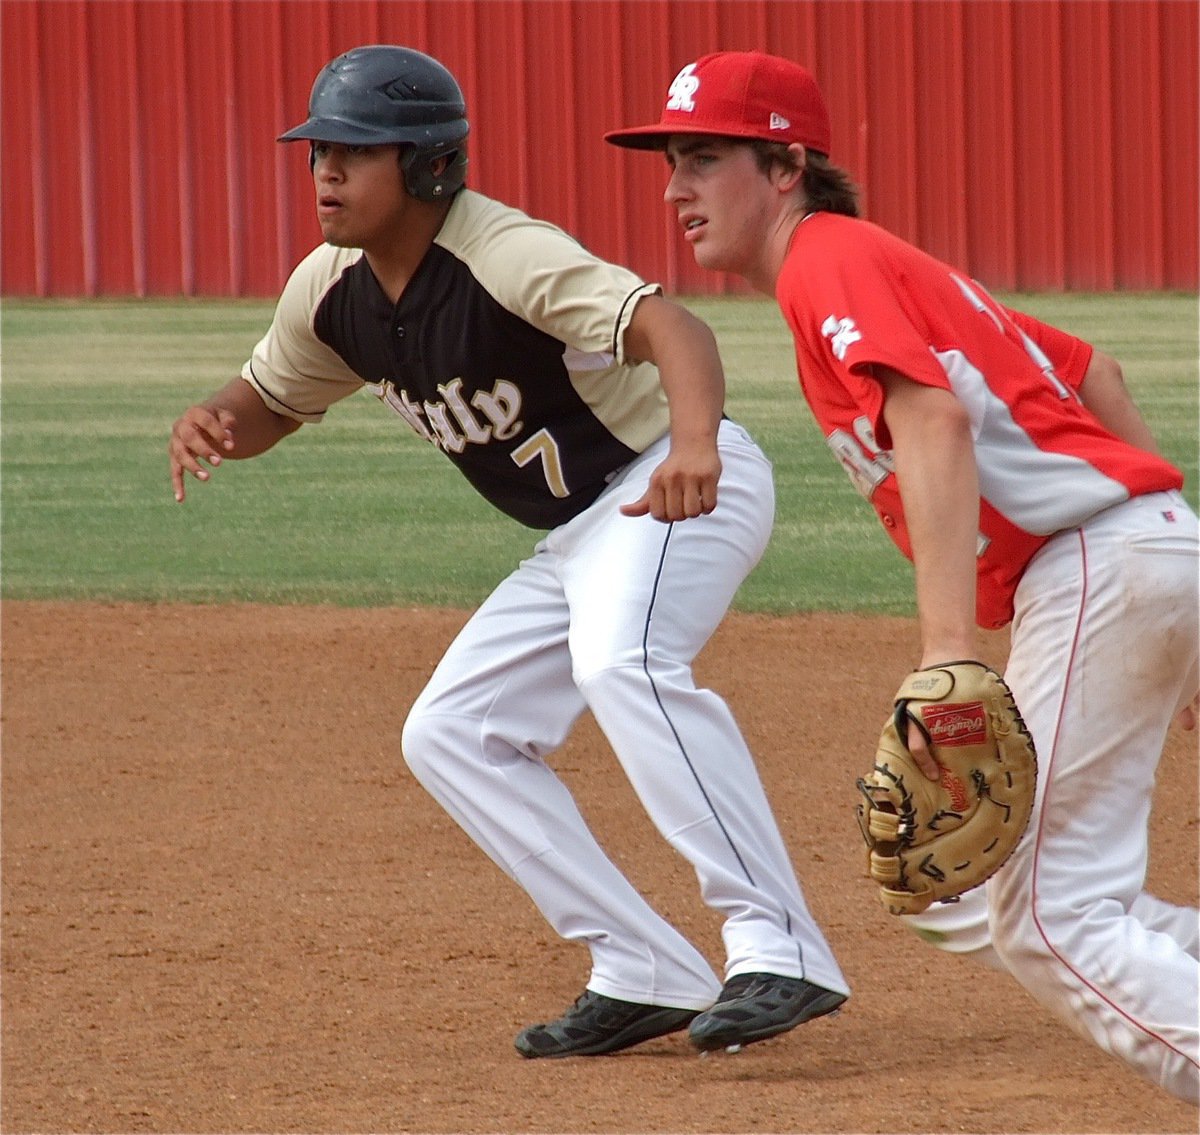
(1104, 654)
(608, 614)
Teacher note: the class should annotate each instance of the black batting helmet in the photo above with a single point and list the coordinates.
(381, 95)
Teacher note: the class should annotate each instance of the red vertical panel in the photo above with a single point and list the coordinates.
(647, 68)
(164, 152)
(257, 79)
(691, 28)
(111, 148)
(890, 62)
(448, 32)
(237, 175)
(744, 26)
(1046, 143)
(551, 137)
(305, 28)
(1034, 150)
(22, 181)
(1180, 131)
(281, 252)
(939, 140)
(990, 146)
(356, 23)
(1087, 144)
(85, 140)
(414, 23)
(139, 244)
(844, 81)
(1137, 98)
(791, 30)
(61, 53)
(502, 161)
(210, 184)
(602, 223)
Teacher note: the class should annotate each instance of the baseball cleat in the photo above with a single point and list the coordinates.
(757, 1006)
(596, 1025)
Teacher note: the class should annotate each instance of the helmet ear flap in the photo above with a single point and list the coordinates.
(421, 181)
(417, 169)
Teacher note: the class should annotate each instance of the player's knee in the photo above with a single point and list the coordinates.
(636, 675)
(424, 741)
(1032, 949)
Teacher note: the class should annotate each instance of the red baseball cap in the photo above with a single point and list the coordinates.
(738, 94)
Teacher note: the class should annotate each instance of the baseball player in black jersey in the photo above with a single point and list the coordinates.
(577, 399)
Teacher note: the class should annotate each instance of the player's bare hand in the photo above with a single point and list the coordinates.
(684, 486)
(200, 437)
(921, 754)
(1187, 717)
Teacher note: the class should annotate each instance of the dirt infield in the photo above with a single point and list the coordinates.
(229, 908)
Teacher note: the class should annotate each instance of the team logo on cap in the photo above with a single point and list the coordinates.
(681, 93)
(778, 122)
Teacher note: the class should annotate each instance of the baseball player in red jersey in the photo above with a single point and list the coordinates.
(579, 401)
(1006, 460)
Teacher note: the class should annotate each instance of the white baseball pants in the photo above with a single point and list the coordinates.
(1104, 654)
(608, 614)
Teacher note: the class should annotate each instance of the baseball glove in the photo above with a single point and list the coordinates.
(929, 841)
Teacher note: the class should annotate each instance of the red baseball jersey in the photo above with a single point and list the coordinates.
(856, 296)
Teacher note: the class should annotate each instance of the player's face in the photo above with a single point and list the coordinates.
(723, 200)
(361, 200)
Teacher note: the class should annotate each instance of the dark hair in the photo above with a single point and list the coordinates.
(827, 188)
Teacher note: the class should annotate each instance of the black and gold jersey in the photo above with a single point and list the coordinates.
(505, 351)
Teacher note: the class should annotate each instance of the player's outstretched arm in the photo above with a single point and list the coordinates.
(939, 485)
(685, 351)
(233, 423)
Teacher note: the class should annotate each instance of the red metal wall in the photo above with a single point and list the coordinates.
(1046, 144)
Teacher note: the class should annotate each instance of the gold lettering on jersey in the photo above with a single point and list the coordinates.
(407, 409)
(452, 424)
(502, 407)
(439, 419)
(542, 447)
(471, 428)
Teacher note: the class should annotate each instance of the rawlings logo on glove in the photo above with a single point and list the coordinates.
(930, 841)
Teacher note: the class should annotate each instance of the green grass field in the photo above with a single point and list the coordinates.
(358, 511)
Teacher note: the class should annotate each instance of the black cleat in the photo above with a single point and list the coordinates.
(596, 1025)
(757, 1006)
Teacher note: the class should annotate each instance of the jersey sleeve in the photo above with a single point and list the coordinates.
(1068, 355)
(547, 278)
(851, 309)
(857, 310)
(294, 373)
